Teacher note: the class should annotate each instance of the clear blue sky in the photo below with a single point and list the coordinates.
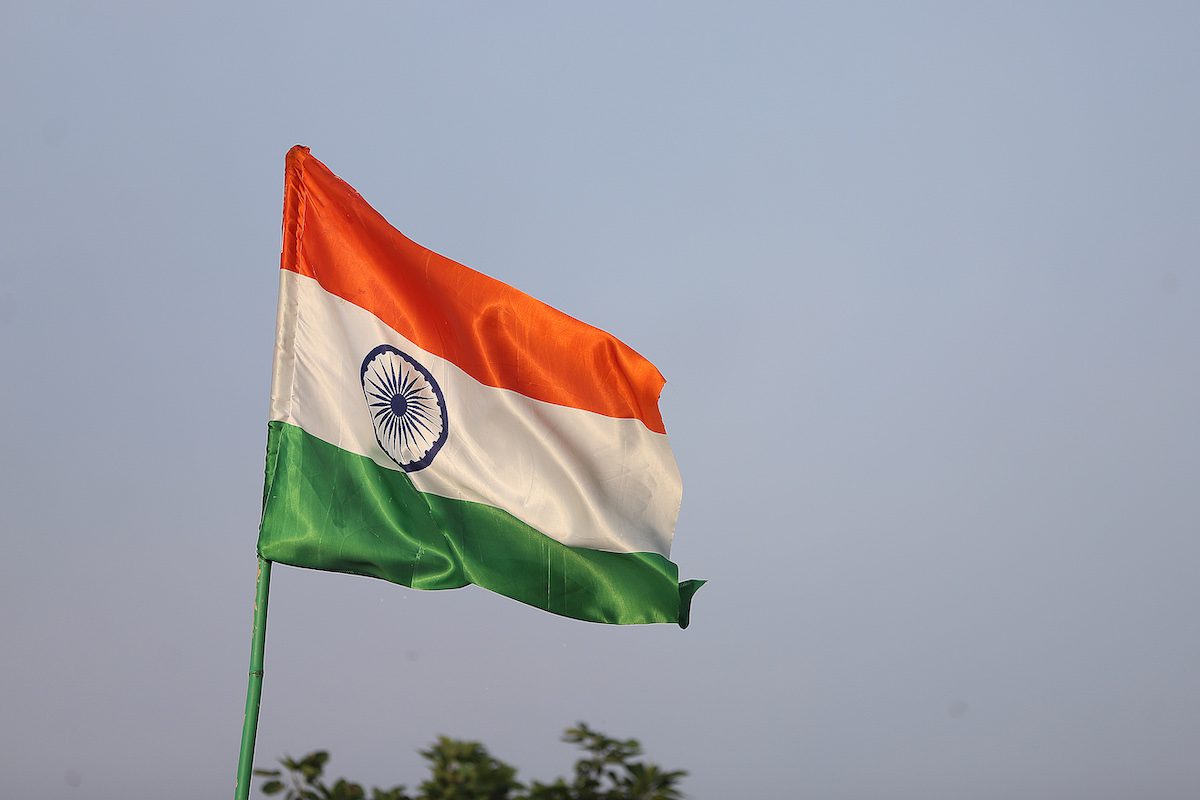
(922, 277)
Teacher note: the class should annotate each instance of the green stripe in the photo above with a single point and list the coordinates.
(325, 508)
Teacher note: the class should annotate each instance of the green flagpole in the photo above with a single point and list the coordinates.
(258, 641)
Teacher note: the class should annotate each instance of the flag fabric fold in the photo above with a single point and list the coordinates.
(434, 427)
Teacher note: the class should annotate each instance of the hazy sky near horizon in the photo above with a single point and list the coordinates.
(922, 278)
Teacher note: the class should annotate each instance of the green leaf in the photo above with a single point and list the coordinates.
(465, 770)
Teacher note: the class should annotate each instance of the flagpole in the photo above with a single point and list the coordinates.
(258, 641)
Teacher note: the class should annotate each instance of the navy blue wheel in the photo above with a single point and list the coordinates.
(407, 408)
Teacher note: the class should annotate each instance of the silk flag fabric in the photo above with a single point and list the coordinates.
(435, 428)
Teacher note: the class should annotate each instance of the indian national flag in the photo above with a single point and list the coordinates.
(435, 427)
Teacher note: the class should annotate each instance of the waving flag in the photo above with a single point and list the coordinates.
(434, 427)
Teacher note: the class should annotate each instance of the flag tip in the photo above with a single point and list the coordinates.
(686, 590)
(297, 153)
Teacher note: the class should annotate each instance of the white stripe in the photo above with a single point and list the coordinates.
(582, 478)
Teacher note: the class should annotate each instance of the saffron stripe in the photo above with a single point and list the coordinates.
(495, 333)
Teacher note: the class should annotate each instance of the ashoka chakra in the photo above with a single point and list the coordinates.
(407, 407)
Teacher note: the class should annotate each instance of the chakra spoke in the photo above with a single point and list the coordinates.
(417, 421)
(406, 431)
(382, 390)
(420, 414)
(409, 381)
(385, 372)
(385, 376)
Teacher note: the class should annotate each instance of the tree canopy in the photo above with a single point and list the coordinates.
(609, 769)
